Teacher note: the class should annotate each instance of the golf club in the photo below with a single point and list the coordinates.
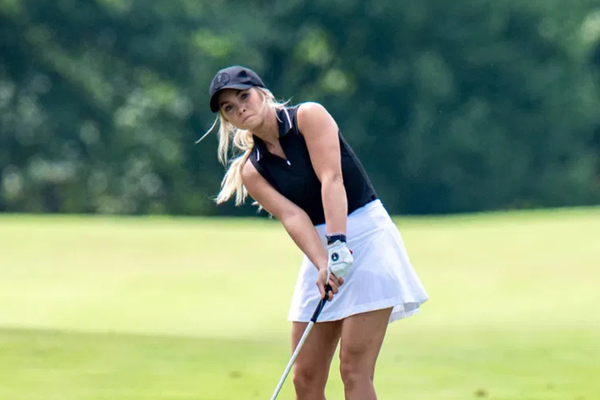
(313, 320)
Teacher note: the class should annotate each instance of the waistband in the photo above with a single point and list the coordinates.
(372, 205)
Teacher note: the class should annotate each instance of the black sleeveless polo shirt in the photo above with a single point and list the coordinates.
(295, 177)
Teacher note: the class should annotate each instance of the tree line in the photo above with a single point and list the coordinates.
(451, 106)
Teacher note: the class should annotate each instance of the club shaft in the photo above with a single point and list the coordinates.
(292, 360)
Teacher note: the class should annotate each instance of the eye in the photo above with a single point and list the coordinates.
(244, 95)
(227, 108)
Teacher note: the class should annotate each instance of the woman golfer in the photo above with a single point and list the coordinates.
(297, 166)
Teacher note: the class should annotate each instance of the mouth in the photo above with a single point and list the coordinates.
(245, 119)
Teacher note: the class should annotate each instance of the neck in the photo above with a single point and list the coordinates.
(268, 131)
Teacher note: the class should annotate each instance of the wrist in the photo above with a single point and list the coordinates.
(322, 263)
(334, 237)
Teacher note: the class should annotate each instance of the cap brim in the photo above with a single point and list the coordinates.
(214, 105)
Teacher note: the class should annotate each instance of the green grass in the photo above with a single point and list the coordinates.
(174, 308)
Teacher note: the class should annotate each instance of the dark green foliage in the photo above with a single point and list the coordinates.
(452, 106)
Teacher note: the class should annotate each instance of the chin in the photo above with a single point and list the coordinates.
(251, 123)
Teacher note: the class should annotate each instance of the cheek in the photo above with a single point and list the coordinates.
(236, 122)
(256, 100)
(260, 107)
(232, 119)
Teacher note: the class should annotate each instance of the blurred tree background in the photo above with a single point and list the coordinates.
(452, 106)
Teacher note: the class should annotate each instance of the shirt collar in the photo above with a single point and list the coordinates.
(259, 148)
(284, 123)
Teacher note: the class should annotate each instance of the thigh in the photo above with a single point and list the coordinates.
(361, 340)
(319, 347)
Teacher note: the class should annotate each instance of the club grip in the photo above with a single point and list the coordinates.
(322, 303)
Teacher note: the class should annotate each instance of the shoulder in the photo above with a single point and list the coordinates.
(311, 109)
(312, 113)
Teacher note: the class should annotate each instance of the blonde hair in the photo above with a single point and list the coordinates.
(242, 144)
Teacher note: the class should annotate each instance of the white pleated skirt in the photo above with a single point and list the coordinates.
(382, 276)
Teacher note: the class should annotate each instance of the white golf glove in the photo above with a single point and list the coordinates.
(340, 257)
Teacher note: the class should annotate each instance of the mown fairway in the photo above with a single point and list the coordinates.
(156, 308)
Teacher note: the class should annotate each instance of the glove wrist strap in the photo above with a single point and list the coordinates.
(333, 237)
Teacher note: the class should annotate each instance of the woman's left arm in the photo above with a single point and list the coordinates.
(320, 132)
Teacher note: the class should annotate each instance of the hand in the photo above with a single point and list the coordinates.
(324, 278)
(340, 259)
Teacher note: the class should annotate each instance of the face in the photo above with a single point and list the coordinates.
(243, 108)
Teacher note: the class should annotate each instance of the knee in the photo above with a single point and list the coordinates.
(308, 381)
(354, 375)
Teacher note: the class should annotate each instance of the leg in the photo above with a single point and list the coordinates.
(362, 336)
(311, 368)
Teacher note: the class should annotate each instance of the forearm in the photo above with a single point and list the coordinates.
(304, 234)
(335, 204)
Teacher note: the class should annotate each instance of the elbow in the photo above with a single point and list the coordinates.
(288, 218)
(333, 179)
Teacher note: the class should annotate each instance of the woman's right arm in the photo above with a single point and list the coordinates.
(295, 220)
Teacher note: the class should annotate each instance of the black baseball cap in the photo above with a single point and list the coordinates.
(234, 77)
